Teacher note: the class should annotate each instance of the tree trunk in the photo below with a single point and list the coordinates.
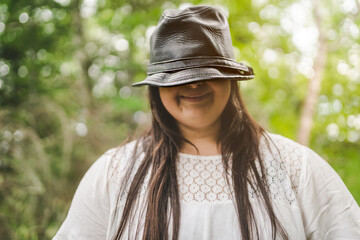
(83, 81)
(308, 110)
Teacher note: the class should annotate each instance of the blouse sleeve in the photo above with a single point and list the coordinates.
(329, 210)
(89, 211)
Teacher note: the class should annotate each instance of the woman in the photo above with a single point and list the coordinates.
(206, 169)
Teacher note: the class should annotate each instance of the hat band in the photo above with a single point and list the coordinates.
(197, 62)
(191, 75)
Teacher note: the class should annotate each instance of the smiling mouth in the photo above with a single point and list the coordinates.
(196, 98)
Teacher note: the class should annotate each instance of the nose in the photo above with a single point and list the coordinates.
(194, 85)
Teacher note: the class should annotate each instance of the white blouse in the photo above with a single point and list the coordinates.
(309, 198)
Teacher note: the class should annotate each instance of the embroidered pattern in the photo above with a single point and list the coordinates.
(202, 179)
(283, 168)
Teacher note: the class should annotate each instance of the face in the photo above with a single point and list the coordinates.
(197, 105)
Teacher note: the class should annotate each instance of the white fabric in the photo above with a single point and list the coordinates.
(309, 198)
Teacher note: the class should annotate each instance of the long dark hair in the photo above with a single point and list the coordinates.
(239, 139)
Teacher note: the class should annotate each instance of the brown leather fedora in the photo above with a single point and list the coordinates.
(191, 45)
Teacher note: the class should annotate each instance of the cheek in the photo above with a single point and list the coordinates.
(223, 90)
(226, 89)
(169, 99)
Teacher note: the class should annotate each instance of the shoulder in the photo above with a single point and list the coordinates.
(290, 153)
(280, 148)
(92, 204)
(110, 165)
(109, 170)
(300, 177)
(285, 144)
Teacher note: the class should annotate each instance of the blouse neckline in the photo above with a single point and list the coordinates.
(199, 157)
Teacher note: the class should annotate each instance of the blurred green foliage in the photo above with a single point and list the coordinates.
(66, 67)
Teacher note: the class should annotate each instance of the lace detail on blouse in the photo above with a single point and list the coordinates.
(202, 179)
(283, 168)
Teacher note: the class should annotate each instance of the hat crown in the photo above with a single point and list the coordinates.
(192, 45)
(195, 32)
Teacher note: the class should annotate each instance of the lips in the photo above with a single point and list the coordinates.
(196, 97)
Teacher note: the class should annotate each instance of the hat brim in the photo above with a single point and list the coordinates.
(169, 79)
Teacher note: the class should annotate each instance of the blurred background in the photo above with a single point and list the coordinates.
(66, 68)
